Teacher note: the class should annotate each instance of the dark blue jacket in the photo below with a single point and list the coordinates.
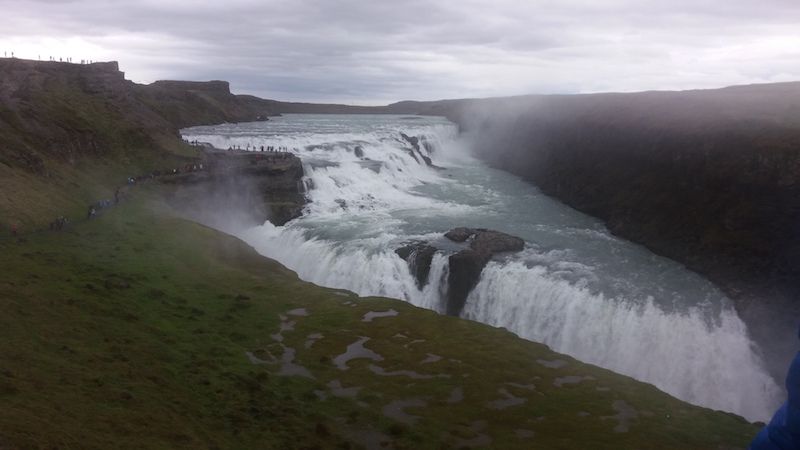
(783, 431)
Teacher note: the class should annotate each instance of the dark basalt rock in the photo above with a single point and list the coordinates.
(359, 151)
(416, 153)
(413, 140)
(418, 255)
(465, 272)
(466, 266)
(488, 241)
(245, 188)
(459, 234)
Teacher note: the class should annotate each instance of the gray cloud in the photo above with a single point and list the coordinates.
(381, 51)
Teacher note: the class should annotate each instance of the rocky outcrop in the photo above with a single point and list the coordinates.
(419, 256)
(247, 188)
(415, 152)
(465, 266)
(190, 103)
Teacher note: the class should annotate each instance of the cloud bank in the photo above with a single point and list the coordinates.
(374, 52)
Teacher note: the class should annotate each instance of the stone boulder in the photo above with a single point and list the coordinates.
(465, 272)
(466, 266)
(418, 255)
(414, 141)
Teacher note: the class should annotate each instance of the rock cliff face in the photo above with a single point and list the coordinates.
(708, 178)
(71, 133)
(241, 189)
(190, 103)
(61, 112)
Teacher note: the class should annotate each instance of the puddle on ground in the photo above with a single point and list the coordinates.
(625, 414)
(298, 312)
(415, 341)
(554, 364)
(338, 391)
(527, 387)
(377, 370)
(395, 410)
(288, 367)
(508, 401)
(456, 396)
(285, 326)
(368, 317)
(431, 359)
(356, 350)
(570, 379)
(312, 338)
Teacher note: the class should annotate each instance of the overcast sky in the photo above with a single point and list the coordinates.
(374, 52)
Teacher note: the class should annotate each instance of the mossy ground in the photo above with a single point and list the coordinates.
(132, 331)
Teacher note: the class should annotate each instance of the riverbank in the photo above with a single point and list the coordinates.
(143, 330)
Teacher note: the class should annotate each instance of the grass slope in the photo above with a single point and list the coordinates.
(132, 331)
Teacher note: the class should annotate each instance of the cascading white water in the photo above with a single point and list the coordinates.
(680, 352)
(575, 287)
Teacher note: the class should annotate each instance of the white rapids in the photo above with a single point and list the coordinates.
(575, 287)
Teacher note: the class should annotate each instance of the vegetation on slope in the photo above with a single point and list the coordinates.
(141, 330)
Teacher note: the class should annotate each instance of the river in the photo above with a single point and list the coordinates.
(575, 287)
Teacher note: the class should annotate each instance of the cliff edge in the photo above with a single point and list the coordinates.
(710, 178)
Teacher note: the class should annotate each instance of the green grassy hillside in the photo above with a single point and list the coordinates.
(141, 330)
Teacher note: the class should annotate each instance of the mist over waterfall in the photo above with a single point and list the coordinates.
(376, 183)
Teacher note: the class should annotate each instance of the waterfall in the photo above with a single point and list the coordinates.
(584, 293)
